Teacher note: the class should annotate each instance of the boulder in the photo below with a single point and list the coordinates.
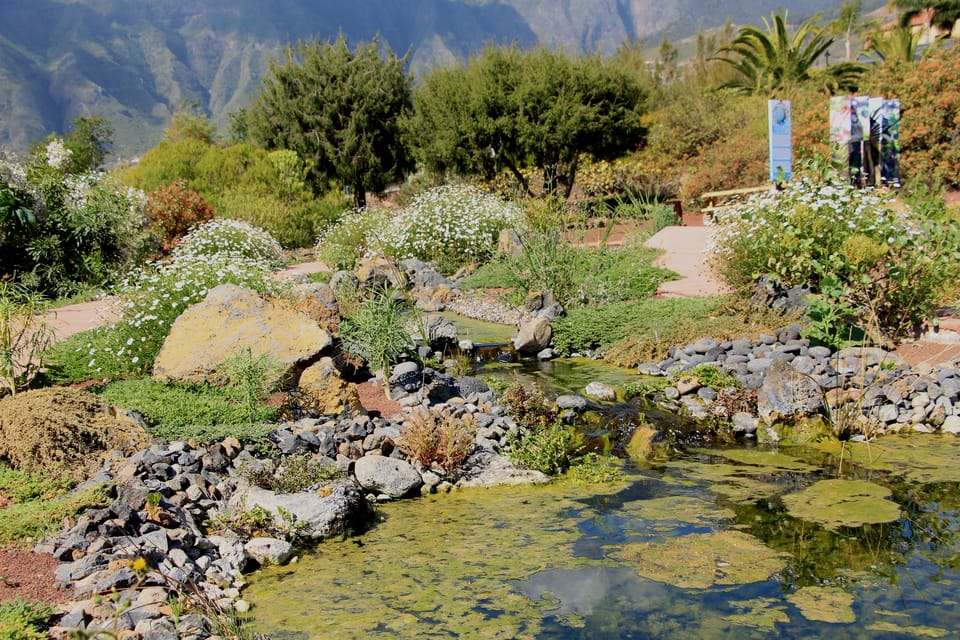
(230, 318)
(326, 391)
(441, 334)
(787, 394)
(381, 272)
(338, 509)
(269, 551)
(533, 336)
(317, 301)
(391, 476)
(600, 391)
(509, 243)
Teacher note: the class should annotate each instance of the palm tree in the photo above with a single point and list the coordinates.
(896, 45)
(767, 61)
(942, 14)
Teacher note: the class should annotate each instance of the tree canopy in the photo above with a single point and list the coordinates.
(340, 110)
(511, 109)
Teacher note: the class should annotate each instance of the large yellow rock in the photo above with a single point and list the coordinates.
(326, 391)
(231, 318)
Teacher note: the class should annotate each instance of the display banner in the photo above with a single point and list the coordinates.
(781, 142)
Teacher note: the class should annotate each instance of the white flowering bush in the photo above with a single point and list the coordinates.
(351, 237)
(229, 236)
(153, 296)
(870, 254)
(450, 226)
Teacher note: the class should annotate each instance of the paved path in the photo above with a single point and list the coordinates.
(685, 252)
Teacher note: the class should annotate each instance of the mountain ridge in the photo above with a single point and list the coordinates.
(134, 63)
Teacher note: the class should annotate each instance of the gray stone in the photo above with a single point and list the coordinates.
(821, 353)
(759, 365)
(572, 401)
(704, 345)
(601, 391)
(390, 476)
(323, 515)
(269, 551)
(951, 424)
(406, 376)
(533, 336)
(785, 393)
(744, 423)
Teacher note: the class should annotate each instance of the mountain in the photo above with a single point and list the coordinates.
(134, 62)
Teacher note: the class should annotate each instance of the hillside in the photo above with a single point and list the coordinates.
(134, 62)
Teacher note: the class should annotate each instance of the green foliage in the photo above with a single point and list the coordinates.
(552, 448)
(257, 521)
(773, 60)
(449, 226)
(19, 486)
(294, 474)
(577, 276)
(438, 437)
(23, 620)
(376, 331)
(26, 523)
(61, 233)
(645, 388)
(891, 267)
(831, 318)
(88, 142)
(252, 378)
(541, 108)
(339, 110)
(24, 336)
(527, 406)
(192, 411)
(189, 122)
(173, 210)
(295, 223)
(351, 237)
(712, 376)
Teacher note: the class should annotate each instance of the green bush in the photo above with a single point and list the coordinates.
(201, 412)
(353, 235)
(60, 233)
(891, 267)
(22, 620)
(552, 448)
(376, 332)
(294, 223)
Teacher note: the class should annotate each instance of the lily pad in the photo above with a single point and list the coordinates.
(760, 613)
(824, 604)
(839, 503)
(700, 561)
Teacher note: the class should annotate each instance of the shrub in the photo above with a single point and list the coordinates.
(294, 474)
(551, 448)
(155, 295)
(61, 430)
(24, 336)
(351, 237)
(891, 267)
(22, 620)
(293, 222)
(28, 522)
(527, 406)
(173, 210)
(430, 436)
(230, 237)
(376, 331)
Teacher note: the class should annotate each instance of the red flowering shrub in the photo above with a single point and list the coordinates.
(173, 210)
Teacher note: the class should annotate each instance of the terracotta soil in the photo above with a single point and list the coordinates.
(28, 575)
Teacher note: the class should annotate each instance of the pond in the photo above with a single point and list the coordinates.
(741, 542)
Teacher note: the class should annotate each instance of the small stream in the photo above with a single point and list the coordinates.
(852, 541)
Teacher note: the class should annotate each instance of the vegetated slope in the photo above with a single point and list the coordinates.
(135, 62)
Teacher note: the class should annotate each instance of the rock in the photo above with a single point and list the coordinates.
(318, 302)
(951, 424)
(571, 402)
(601, 391)
(543, 303)
(468, 385)
(485, 468)
(327, 392)
(787, 394)
(687, 384)
(391, 476)
(441, 334)
(381, 272)
(344, 282)
(231, 318)
(646, 443)
(269, 551)
(336, 510)
(744, 423)
(509, 243)
(533, 336)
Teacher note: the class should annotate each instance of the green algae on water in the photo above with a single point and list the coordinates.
(434, 567)
(922, 458)
(702, 560)
(765, 460)
(839, 503)
(760, 613)
(734, 482)
(824, 604)
(685, 509)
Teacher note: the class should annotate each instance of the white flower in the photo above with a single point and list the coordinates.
(57, 154)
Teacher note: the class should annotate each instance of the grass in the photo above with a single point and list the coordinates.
(67, 362)
(22, 620)
(19, 486)
(632, 332)
(191, 411)
(21, 525)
